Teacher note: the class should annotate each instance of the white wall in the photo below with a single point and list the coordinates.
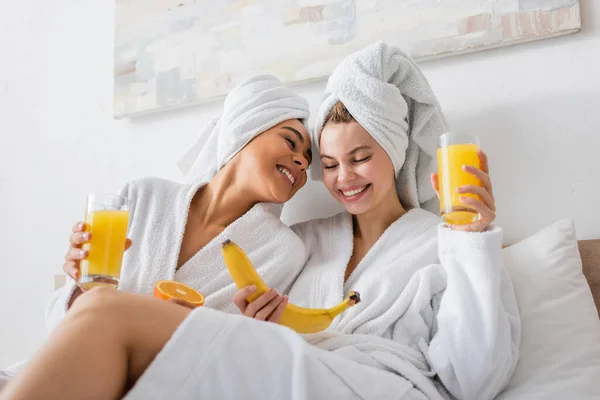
(536, 107)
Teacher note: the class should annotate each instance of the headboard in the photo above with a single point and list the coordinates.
(590, 256)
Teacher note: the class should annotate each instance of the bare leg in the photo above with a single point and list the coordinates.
(105, 343)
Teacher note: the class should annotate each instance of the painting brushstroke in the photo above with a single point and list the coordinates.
(170, 54)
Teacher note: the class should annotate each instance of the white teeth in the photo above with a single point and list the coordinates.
(354, 192)
(287, 173)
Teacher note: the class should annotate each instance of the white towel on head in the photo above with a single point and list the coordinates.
(389, 96)
(251, 108)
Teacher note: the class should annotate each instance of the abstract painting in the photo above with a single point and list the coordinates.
(174, 53)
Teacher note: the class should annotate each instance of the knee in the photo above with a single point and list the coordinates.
(100, 302)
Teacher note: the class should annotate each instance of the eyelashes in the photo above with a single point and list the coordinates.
(291, 143)
(362, 160)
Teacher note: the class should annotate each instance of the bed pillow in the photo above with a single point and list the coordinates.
(560, 343)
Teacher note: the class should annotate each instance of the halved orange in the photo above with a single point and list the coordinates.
(166, 290)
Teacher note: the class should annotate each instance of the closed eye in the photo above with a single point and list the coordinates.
(329, 166)
(363, 159)
(291, 143)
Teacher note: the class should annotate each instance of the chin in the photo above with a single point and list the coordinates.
(356, 209)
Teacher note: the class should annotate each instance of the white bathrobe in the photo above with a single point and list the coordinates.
(423, 316)
(159, 210)
(451, 311)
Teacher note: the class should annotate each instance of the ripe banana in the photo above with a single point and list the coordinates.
(302, 320)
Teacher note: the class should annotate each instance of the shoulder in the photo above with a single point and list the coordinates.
(154, 193)
(150, 186)
(315, 227)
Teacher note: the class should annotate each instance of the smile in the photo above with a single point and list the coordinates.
(354, 192)
(287, 173)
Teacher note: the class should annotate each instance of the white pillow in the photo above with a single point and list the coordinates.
(560, 344)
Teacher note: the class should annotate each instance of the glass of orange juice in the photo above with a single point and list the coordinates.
(456, 150)
(107, 219)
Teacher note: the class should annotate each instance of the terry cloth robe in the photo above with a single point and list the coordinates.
(425, 314)
(451, 311)
(158, 214)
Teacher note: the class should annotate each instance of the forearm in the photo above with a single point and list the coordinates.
(475, 348)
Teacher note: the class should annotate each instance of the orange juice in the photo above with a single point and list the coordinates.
(103, 264)
(451, 176)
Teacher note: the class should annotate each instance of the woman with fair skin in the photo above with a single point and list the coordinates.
(360, 175)
(438, 309)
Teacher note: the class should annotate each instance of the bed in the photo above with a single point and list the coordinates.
(559, 308)
(590, 256)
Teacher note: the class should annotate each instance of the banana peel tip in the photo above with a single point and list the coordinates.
(355, 298)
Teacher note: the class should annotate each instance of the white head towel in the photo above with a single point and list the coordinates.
(251, 108)
(388, 95)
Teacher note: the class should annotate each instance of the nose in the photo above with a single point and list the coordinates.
(301, 161)
(345, 174)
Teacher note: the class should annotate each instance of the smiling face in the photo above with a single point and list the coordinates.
(272, 167)
(356, 169)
